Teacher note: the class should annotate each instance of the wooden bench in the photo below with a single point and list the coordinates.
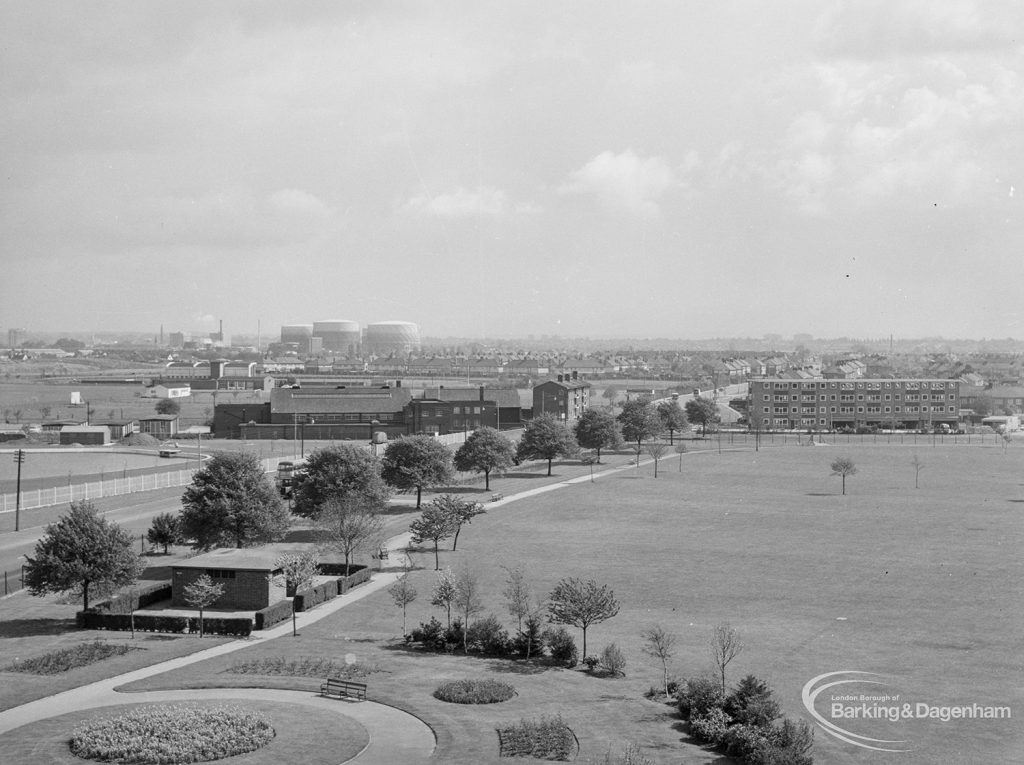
(497, 497)
(335, 686)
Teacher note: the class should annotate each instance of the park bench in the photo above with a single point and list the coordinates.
(497, 497)
(335, 686)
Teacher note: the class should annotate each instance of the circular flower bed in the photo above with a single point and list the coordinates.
(474, 691)
(161, 735)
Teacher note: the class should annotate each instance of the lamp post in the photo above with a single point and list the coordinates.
(19, 458)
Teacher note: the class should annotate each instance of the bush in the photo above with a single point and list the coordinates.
(561, 646)
(239, 626)
(751, 703)
(313, 597)
(590, 662)
(272, 614)
(453, 635)
(474, 691)
(64, 659)
(489, 637)
(613, 660)
(747, 743)
(711, 726)
(134, 599)
(791, 744)
(176, 734)
(547, 739)
(531, 636)
(700, 696)
(430, 635)
(630, 756)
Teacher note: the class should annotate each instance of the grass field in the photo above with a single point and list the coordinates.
(919, 585)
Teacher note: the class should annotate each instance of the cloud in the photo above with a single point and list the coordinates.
(296, 201)
(623, 181)
(464, 203)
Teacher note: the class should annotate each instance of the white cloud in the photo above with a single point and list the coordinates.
(623, 181)
(297, 201)
(463, 203)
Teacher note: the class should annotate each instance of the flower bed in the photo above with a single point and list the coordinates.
(474, 692)
(172, 735)
(64, 659)
(546, 739)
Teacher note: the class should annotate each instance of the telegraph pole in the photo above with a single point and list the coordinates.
(19, 457)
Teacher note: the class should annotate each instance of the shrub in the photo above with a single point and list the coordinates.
(64, 659)
(272, 614)
(613, 660)
(489, 637)
(474, 691)
(751, 703)
(239, 626)
(747, 743)
(313, 597)
(546, 739)
(791, 744)
(711, 726)
(701, 695)
(175, 734)
(590, 662)
(429, 634)
(453, 635)
(134, 599)
(530, 637)
(562, 646)
(630, 756)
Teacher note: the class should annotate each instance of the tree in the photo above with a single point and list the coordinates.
(702, 411)
(680, 450)
(460, 512)
(517, 595)
(640, 421)
(611, 393)
(417, 462)
(167, 406)
(485, 450)
(348, 525)
(296, 570)
(544, 438)
(467, 602)
(201, 594)
(918, 467)
(444, 593)
(79, 550)
(581, 604)
(435, 523)
(338, 472)
(725, 646)
(165, 530)
(231, 502)
(597, 429)
(403, 593)
(657, 451)
(661, 645)
(842, 467)
(672, 418)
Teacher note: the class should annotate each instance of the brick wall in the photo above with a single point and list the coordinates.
(248, 590)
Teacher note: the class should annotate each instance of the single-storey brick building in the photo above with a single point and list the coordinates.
(245, 573)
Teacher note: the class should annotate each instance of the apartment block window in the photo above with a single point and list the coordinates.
(860, 410)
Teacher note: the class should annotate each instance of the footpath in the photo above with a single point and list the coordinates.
(396, 737)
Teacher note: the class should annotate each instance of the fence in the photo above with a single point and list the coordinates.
(14, 580)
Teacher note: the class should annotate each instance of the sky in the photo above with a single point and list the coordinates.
(678, 169)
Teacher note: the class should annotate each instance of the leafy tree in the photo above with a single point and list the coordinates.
(580, 604)
(517, 595)
(545, 437)
(403, 593)
(201, 594)
(444, 593)
(702, 411)
(672, 418)
(611, 393)
(597, 429)
(231, 502)
(338, 472)
(639, 421)
(485, 450)
(348, 525)
(842, 467)
(460, 512)
(79, 550)
(165, 530)
(167, 406)
(435, 524)
(468, 601)
(417, 462)
(725, 646)
(297, 570)
(661, 645)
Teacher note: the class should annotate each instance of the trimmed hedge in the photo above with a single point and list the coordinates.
(272, 614)
(338, 569)
(162, 623)
(126, 602)
(313, 597)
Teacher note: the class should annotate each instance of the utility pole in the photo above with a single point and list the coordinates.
(19, 457)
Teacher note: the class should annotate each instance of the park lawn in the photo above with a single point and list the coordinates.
(301, 734)
(920, 585)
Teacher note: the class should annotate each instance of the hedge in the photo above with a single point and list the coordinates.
(273, 614)
(359, 575)
(163, 623)
(313, 597)
(338, 569)
(134, 599)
